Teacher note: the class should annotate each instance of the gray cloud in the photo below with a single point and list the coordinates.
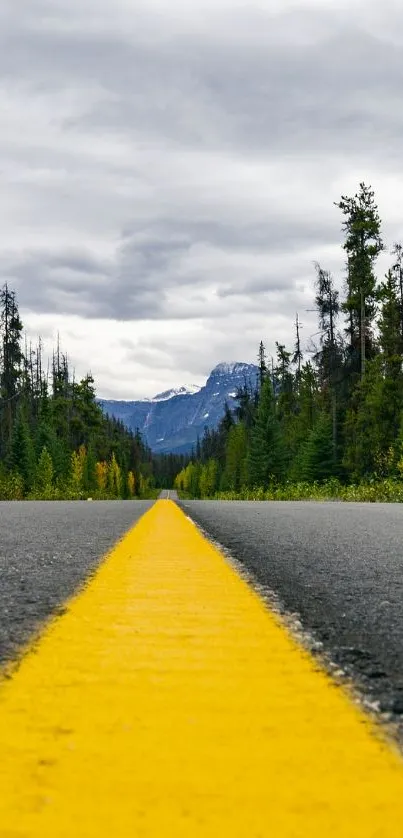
(337, 90)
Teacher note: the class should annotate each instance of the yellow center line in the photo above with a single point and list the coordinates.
(167, 701)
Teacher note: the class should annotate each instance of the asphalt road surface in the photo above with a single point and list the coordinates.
(339, 566)
(47, 550)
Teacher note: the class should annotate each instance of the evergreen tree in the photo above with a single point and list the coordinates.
(398, 272)
(297, 358)
(21, 457)
(308, 410)
(286, 399)
(363, 244)
(235, 472)
(247, 404)
(262, 364)
(329, 358)
(390, 336)
(266, 454)
(11, 363)
(316, 458)
(89, 470)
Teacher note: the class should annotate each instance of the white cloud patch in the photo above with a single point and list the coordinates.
(169, 171)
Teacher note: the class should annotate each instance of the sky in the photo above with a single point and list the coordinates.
(169, 171)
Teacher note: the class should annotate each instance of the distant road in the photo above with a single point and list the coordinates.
(46, 551)
(339, 565)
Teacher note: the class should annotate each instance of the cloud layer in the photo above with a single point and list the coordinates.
(169, 171)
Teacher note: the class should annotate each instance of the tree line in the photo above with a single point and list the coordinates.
(55, 441)
(335, 418)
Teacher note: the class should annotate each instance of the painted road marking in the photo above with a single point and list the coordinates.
(168, 701)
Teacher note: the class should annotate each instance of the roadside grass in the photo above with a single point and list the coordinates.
(13, 490)
(387, 490)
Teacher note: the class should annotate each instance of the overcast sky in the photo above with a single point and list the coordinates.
(168, 171)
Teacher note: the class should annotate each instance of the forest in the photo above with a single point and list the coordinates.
(331, 424)
(55, 441)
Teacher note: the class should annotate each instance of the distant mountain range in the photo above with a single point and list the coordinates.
(173, 420)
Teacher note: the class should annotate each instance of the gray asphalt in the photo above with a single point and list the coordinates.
(337, 565)
(47, 550)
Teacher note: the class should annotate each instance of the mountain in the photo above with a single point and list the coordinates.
(176, 391)
(172, 421)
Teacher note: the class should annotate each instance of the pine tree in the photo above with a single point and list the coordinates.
(247, 403)
(21, 457)
(398, 271)
(89, 475)
(363, 244)
(266, 454)
(316, 458)
(390, 336)
(363, 431)
(329, 358)
(297, 357)
(286, 398)
(262, 363)
(11, 363)
(308, 410)
(235, 472)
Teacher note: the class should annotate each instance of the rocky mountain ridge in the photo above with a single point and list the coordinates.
(172, 420)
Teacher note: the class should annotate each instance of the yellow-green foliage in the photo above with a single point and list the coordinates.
(188, 480)
(101, 477)
(78, 459)
(11, 486)
(44, 472)
(131, 484)
(144, 489)
(208, 478)
(114, 478)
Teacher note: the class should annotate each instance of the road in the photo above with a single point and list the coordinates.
(168, 700)
(46, 551)
(339, 566)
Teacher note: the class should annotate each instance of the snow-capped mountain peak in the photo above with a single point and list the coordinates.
(233, 368)
(185, 390)
(173, 420)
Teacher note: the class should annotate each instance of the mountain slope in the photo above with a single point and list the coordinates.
(173, 420)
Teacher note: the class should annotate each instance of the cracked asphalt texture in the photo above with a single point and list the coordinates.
(337, 565)
(47, 550)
